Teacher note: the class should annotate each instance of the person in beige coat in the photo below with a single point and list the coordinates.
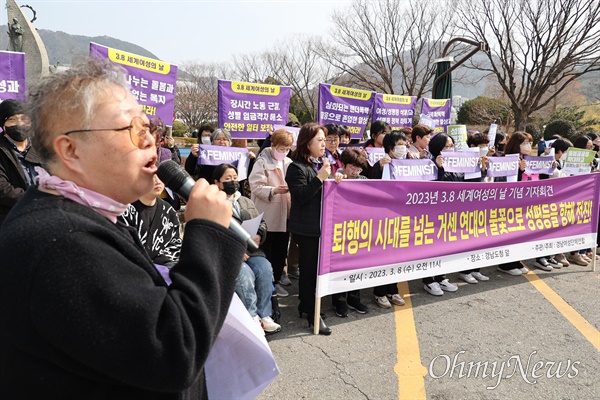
(271, 196)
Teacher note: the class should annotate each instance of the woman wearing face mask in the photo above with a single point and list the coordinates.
(271, 196)
(219, 137)
(17, 158)
(254, 285)
(305, 177)
(395, 145)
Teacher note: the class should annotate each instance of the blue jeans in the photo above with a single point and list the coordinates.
(254, 286)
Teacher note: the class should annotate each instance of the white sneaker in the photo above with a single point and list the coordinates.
(467, 278)
(447, 286)
(554, 262)
(396, 299)
(280, 291)
(479, 276)
(258, 322)
(514, 271)
(284, 280)
(542, 263)
(433, 288)
(269, 326)
(383, 302)
(523, 270)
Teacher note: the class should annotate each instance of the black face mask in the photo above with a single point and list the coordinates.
(18, 133)
(230, 187)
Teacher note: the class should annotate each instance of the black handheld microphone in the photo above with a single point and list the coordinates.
(177, 179)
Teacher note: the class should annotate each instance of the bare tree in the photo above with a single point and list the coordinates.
(389, 45)
(196, 102)
(537, 47)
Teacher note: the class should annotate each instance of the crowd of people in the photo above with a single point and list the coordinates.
(96, 245)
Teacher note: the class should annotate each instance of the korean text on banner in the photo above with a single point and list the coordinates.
(345, 106)
(398, 111)
(250, 110)
(12, 76)
(378, 232)
(152, 81)
(439, 111)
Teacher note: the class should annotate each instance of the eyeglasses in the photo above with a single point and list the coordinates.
(138, 129)
(354, 170)
(332, 141)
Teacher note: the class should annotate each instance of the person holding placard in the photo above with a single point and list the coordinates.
(332, 141)
(379, 129)
(254, 284)
(395, 147)
(219, 137)
(305, 177)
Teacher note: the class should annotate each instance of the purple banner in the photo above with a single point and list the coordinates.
(217, 155)
(250, 110)
(503, 166)
(12, 76)
(439, 111)
(413, 170)
(398, 111)
(456, 161)
(152, 81)
(374, 154)
(377, 232)
(345, 106)
(539, 165)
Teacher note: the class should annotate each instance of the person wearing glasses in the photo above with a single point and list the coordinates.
(332, 141)
(219, 137)
(17, 158)
(84, 312)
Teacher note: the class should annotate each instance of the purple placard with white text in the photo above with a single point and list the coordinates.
(250, 110)
(507, 165)
(377, 232)
(12, 76)
(217, 155)
(374, 154)
(153, 82)
(345, 106)
(398, 111)
(539, 165)
(439, 111)
(456, 161)
(413, 170)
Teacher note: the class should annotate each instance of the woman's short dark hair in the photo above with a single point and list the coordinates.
(437, 144)
(389, 141)
(307, 132)
(420, 130)
(581, 142)
(333, 129)
(378, 127)
(476, 139)
(561, 144)
(500, 136)
(220, 170)
(352, 156)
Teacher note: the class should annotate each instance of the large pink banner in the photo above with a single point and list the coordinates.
(376, 232)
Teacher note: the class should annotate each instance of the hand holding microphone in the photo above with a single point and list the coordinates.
(204, 201)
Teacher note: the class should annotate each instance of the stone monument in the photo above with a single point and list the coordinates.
(24, 38)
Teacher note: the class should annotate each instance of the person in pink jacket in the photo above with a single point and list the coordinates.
(271, 196)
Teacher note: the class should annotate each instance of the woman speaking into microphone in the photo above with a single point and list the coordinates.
(305, 177)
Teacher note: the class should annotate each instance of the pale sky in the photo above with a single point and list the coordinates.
(197, 30)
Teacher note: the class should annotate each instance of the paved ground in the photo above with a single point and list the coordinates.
(533, 349)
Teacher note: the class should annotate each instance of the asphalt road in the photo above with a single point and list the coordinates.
(514, 337)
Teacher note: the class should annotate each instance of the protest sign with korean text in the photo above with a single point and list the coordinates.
(250, 110)
(439, 111)
(152, 81)
(578, 161)
(345, 106)
(377, 232)
(12, 76)
(458, 133)
(398, 111)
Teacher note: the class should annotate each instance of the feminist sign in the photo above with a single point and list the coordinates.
(411, 170)
(466, 162)
(250, 110)
(376, 232)
(439, 111)
(539, 165)
(345, 106)
(398, 111)
(152, 81)
(12, 76)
